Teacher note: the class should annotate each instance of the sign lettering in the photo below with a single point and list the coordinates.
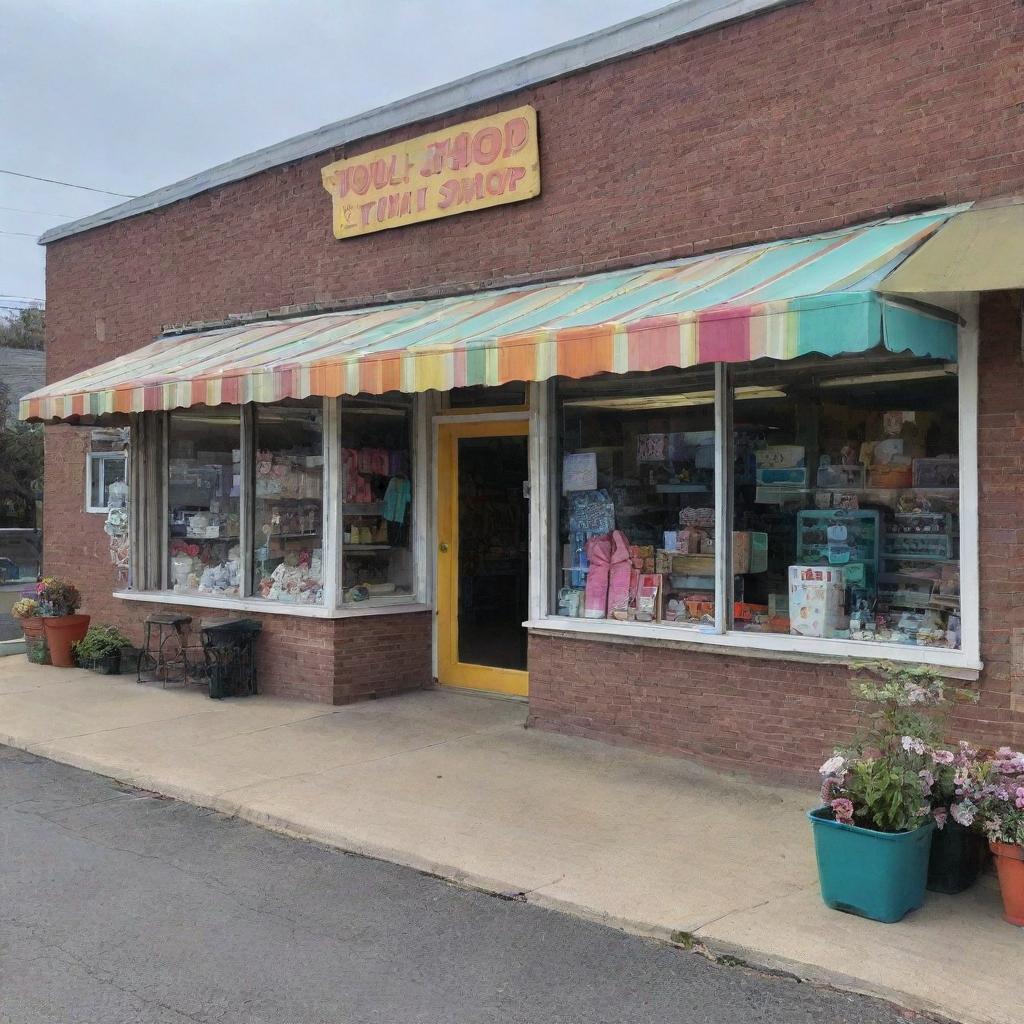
(469, 166)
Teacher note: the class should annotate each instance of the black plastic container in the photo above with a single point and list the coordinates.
(956, 860)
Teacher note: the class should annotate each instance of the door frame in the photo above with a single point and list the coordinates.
(451, 671)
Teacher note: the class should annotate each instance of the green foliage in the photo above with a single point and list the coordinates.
(23, 328)
(98, 643)
(21, 473)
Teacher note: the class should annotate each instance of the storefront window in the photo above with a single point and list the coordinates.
(637, 487)
(846, 502)
(203, 493)
(288, 558)
(377, 500)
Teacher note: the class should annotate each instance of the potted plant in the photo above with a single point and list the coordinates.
(27, 612)
(873, 834)
(58, 602)
(991, 796)
(958, 851)
(100, 649)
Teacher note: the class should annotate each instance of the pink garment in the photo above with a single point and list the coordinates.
(618, 574)
(595, 603)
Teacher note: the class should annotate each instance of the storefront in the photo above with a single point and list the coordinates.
(668, 502)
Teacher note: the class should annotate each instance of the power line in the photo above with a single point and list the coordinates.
(26, 298)
(20, 309)
(67, 184)
(42, 213)
(22, 234)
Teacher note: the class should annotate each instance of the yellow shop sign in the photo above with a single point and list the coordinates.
(466, 167)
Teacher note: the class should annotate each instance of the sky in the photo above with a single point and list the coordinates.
(130, 95)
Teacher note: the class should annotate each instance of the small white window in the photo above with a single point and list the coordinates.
(102, 470)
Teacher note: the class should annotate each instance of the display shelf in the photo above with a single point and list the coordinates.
(681, 488)
(287, 536)
(350, 547)
(935, 560)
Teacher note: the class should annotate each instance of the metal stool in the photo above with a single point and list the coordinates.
(164, 654)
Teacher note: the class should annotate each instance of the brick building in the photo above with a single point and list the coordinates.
(732, 401)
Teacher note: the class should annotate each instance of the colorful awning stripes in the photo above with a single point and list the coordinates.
(778, 300)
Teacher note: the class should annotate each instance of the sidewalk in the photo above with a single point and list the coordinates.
(453, 784)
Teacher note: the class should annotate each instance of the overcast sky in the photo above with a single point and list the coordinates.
(129, 95)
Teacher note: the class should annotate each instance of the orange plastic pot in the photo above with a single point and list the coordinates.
(1010, 867)
(61, 632)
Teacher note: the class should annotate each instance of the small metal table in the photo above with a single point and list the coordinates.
(164, 650)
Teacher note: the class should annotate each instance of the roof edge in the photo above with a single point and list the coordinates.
(684, 18)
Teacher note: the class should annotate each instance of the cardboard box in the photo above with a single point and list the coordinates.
(816, 597)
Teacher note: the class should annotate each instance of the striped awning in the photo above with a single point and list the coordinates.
(778, 300)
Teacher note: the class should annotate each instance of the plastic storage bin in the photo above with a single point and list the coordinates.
(879, 875)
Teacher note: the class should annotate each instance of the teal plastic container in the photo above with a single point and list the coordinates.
(879, 875)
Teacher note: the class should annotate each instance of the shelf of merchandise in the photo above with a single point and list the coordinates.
(351, 548)
(919, 558)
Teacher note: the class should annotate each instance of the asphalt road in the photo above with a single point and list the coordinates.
(119, 906)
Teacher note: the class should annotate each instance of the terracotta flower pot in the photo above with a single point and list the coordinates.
(61, 632)
(32, 628)
(1010, 866)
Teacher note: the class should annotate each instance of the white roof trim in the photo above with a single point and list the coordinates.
(679, 19)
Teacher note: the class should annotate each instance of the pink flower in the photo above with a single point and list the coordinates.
(843, 810)
(940, 814)
(1019, 802)
(927, 781)
(942, 756)
(833, 766)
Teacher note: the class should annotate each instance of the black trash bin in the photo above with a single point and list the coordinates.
(229, 651)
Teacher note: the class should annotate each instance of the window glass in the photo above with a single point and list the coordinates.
(108, 464)
(377, 500)
(288, 561)
(637, 486)
(203, 489)
(846, 500)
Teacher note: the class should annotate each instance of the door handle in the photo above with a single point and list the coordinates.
(442, 547)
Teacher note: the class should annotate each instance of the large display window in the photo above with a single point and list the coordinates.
(203, 495)
(376, 500)
(288, 490)
(838, 501)
(637, 499)
(299, 504)
(850, 478)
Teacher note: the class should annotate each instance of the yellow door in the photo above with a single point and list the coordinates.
(482, 555)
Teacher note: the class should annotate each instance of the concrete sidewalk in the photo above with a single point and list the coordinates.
(452, 784)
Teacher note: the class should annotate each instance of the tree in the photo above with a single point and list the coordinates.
(23, 329)
(21, 473)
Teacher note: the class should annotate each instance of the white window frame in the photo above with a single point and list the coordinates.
(963, 663)
(100, 458)
(148, 517)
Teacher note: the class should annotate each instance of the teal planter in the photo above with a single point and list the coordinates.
(879, 875)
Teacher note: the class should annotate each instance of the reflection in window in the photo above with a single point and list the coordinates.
(203, 489)
(377, 500)
(638, 499)
(847, 486)
(288, 562)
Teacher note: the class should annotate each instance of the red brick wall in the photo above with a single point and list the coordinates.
(782, 718)
(333, 661)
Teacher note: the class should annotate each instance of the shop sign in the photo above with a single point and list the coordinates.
(467, 167)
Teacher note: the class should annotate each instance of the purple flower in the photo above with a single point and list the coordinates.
(927, 781)
(843, 810)
(833, 766)
(963, 813)
(1019, 802)
(942, 756)
(940, 814)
